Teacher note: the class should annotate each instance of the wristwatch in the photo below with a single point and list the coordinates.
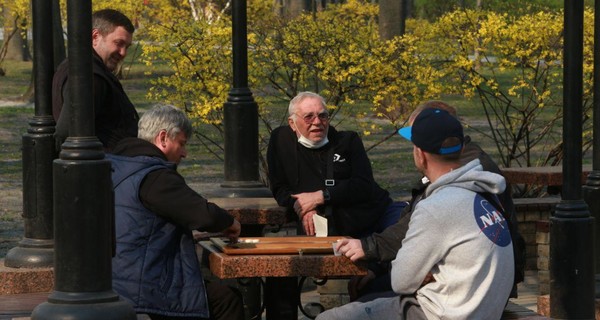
(326, 195)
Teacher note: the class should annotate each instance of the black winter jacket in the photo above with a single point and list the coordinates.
(357, 201)
(115, 115)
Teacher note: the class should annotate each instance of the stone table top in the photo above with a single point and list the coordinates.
(545, 175)
(279, 265)
(253, 210)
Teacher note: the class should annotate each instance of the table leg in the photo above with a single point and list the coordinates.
(281, 297)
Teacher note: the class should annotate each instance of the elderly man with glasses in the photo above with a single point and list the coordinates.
(316, 170)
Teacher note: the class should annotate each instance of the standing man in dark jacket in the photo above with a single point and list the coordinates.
(383, 246)
(115, 115)
(155, 267)
(317, 170)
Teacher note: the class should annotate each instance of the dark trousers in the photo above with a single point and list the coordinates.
(224, 303)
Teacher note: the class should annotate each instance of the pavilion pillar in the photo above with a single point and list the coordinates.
(241, 116)
(571, 226)
(83, 198)
(35, 250)
(591, 190)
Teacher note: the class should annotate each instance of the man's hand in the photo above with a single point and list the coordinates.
(233, 231)
(351, 248)
(307, 201)
(308, 223)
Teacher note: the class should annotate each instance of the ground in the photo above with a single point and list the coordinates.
(11, 199)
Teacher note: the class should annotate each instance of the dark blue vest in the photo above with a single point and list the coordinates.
(155, 267)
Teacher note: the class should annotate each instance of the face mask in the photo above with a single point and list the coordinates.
(311, 144)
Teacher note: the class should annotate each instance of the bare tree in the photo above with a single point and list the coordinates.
(15, 44)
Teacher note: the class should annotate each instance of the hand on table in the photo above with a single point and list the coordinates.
(233, 231)
(351, 248)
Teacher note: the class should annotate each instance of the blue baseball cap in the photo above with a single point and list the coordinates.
(431, 128)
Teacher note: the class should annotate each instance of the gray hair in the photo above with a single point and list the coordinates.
(107, 20)
(163, 117)
(300, 97)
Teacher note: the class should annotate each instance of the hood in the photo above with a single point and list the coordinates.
(472, 177)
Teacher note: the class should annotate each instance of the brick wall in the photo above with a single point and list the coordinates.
(529, 212)
(543, 252)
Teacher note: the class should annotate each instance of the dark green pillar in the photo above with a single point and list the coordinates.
(83, 198)
(36, 248)
(571, 227)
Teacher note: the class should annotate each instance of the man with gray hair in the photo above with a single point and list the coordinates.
(316, 170)
(155, 267)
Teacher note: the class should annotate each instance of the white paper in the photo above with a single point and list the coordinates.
(320, 225)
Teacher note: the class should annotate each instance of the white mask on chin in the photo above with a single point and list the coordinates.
(311, 144)
(307, 142)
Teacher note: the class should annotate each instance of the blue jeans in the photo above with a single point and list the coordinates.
(390, 216)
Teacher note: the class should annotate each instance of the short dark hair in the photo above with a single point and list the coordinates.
(107, 20)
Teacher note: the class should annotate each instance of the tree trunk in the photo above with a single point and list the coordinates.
(410, 9)
(293, 8)
(16, 47)
(391, 18)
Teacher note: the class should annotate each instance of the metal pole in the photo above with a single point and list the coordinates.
(571, 227)
(591, 190)
(83, 199)
(241, 115)
(240, 118)
(36, 248)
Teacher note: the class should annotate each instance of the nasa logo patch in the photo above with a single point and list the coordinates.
(491, 222)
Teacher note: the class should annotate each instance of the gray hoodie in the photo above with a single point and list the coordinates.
(464, 242)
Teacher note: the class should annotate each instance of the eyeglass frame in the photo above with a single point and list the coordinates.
(310, 117)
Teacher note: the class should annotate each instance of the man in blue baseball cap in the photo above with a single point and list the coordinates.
(436, 132)
(456, 261)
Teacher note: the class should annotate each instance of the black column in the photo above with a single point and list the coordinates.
(241, 117)
(83, 199)
(591, 190)
(36, 248)
(571, 227)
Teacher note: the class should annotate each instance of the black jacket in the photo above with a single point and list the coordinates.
(357, 201)
(115, 115)
(165, 193)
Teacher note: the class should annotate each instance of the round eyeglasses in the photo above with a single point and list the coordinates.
(310, 117)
